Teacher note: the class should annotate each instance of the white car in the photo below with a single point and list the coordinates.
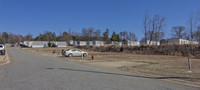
(2, 50)
(74, 52)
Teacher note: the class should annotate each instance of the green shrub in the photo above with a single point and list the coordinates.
(49, 44)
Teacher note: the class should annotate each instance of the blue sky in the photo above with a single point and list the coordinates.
(35, 16)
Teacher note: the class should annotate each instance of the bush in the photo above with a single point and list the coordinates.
(53, 45)
(49, 44)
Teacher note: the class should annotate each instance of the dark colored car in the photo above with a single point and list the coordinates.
(24, 46)
(12, 45)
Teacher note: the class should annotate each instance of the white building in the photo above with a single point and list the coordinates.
(81, 43)
(59, 43)
(150, 42)
(181, 41)
(89, 43)
(98, 43)
(136, 43)
(25, 43)
(71, 42)
(75, 43)
(131, 43)
(35, 44)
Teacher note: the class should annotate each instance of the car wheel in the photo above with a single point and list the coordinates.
(84, 55)
(70, 55)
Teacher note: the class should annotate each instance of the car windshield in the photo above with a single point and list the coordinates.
(1, 46)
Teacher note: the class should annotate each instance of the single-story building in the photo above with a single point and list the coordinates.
(89, 43)
(181, 41)
(71, 42)
(59, 43)
(135, 43)
(148, 42)
(98, 43)
(35, 44)
(75, 43)
(130, 43)
(25, 43)
(81, 43)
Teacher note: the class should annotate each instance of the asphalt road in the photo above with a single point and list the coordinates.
(35, 72)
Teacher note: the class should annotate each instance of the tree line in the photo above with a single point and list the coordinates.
(6, 37)
(87, 34)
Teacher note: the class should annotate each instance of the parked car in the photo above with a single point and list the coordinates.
(2, 50)
(12, 45)
(74, 52)
(2, 43)
(23, 45)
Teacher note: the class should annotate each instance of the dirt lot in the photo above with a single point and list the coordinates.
(172, 67)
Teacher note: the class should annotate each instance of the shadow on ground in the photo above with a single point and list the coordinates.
(98, 72)
(61, 56)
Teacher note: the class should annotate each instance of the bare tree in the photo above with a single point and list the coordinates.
(179, 32)
(155, 28)
(97, 34)
(11, 38)
(5, 36)
(146, 25)
(20, 38)
(197, 34)
(76, 36)
(192, 27)
(132, 36)
(196, 27)
(69, 35)
(90, 31)
(1, 39)
(28, 37)
(106, 35)
(128, 36)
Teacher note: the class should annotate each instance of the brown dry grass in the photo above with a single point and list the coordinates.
(168, 66)
(2, 59)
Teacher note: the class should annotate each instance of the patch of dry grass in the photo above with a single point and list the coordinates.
(2, 59)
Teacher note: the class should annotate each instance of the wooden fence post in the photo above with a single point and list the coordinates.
(189, 63)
